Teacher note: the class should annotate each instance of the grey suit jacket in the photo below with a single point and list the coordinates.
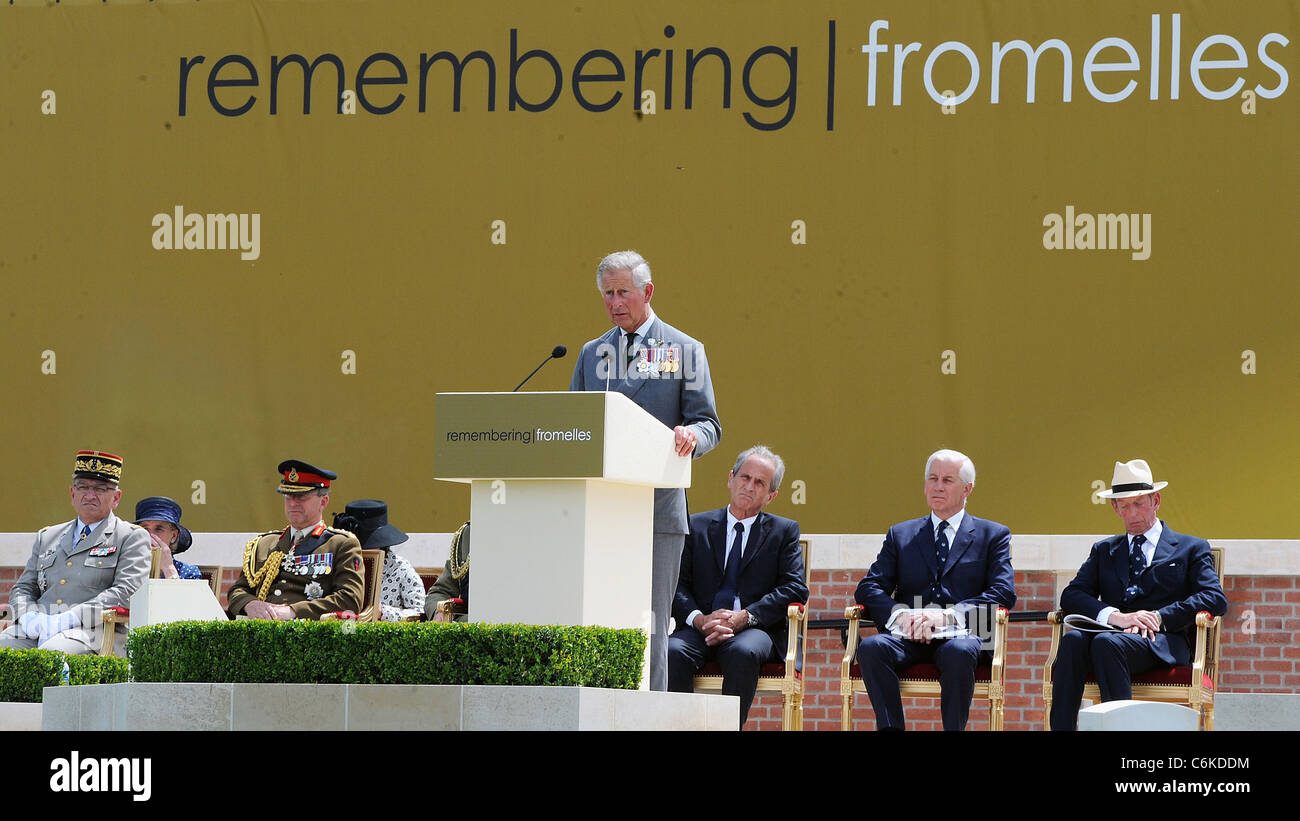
(103, 571)
(681, 398)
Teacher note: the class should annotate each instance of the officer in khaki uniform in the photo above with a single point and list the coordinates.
(80, 567)
(305, 570)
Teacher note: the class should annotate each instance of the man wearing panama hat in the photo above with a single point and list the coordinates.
(1148, 583)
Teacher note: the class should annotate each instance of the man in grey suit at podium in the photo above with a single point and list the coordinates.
(664, 372)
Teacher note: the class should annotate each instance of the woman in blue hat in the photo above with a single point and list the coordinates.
(162, 518)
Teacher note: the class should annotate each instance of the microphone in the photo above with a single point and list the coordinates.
(604, 355)
(557, 352)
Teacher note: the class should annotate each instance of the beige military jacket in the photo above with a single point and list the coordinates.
(103, 571)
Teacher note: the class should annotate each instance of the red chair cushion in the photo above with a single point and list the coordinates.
(926, 672)
(775, 669)
(1166, 676)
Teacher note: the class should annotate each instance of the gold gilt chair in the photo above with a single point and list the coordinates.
(922, 680)
(1193, 685)
(784, 677)
(372, 577)
(114, 616)
(212, 575)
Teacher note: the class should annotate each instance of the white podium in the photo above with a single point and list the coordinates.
(562, 501)
(159, 601)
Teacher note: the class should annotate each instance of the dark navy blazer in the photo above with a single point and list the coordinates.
(1180, 582)
(977, 574)
(771, 571)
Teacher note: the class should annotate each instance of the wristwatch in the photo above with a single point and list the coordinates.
(751, 620)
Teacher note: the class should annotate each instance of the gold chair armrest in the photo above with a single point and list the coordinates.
(1001, 619)
(796, 638)
(111, 618)
(451, 607)
(1206, 627)
(854, 614)
(1056, 619)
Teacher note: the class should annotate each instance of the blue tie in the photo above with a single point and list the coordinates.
(726, 596)
(942, 539)
(85, 531)
(1136, 564)
(1136, 561)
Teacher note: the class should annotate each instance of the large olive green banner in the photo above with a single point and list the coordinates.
(1050, 235)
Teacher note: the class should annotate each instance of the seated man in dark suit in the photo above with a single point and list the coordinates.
(1148, 582)
(745, 567)
(940, 575)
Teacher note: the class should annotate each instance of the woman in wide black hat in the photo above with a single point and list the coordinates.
(402, 593)
(162, 518)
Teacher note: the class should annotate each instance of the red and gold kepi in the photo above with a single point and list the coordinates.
(297, 476)
(98, 464)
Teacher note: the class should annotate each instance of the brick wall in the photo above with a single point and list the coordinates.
(1258, 653)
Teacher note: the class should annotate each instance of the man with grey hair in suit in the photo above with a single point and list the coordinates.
(665, 372)
(79, 568)
(926, 591)
(741, 570)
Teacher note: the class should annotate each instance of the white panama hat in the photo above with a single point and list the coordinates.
(1131, 479)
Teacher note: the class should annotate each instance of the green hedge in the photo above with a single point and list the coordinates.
(386, 653)
(24, 674)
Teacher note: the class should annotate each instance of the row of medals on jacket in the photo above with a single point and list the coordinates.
(656, 354)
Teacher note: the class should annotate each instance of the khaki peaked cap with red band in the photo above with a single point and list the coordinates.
(297, 476)
(98, 464)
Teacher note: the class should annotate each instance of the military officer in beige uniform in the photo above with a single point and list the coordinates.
(79, 568)
(305, 570)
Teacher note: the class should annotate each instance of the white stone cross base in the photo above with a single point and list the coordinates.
(1137, 715)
